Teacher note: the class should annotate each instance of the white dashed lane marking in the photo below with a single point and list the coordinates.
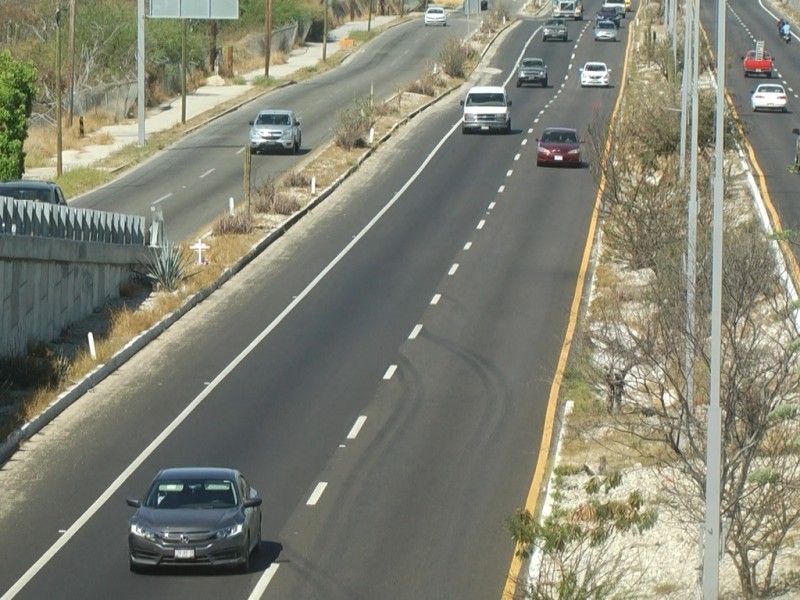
(317, 493)
(356, 427)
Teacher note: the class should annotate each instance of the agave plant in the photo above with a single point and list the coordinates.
(167, 267)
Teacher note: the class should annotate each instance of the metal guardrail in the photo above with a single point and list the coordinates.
(39, 219)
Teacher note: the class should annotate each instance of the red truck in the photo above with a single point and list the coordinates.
(757, 62)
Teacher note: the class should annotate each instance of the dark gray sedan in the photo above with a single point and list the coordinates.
(195, 516)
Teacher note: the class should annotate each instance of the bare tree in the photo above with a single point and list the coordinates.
(638, 339)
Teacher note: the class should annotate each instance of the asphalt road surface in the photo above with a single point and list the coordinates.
(193, 180)
(380, 374)
(769, 134)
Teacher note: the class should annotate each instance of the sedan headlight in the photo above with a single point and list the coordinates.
(543, 150)
(574, 151)
(143, 532)
(227, 532)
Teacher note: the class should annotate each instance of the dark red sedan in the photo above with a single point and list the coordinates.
(558, 146)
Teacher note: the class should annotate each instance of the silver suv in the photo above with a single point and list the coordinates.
(275, 130)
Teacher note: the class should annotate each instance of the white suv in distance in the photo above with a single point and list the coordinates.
(435, 15)
(275, 130)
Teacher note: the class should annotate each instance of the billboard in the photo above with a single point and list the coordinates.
(194, 9)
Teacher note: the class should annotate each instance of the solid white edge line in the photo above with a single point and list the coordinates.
(415, 332)
(164, 197)
(209, 172)
(317, 493)
(145, 454)
(263, 582)
(356, 427)
(390, 371)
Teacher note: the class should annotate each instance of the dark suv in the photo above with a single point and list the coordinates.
(29, 189)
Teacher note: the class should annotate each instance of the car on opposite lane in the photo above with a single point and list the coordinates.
(595, 74)
(31, 189)
(605, 30)
(274, 129)
(435, 15)
(558, 146)
(195, 516)
(769, 96)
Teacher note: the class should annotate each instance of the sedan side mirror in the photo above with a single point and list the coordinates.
(133, 502)
(462, 103)
(251, 122)
(509, 103)
(796, 131)
(252, 502)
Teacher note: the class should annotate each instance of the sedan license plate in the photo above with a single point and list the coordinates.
(185, 553)
(558, 157)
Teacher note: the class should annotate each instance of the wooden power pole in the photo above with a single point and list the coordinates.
(71, 52)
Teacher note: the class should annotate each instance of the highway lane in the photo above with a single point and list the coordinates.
(416, 502)
(769, 134)
(172, 179)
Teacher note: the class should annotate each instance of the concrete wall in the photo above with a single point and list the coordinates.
(47, 284)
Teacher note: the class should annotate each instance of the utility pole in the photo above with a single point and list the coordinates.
(324, 30)
(184, 35)
(71, 53)
(268, 36)
(58, 94)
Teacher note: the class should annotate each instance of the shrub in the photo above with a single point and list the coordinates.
(284, 204)
(239, 222)
(167, 267)
(297, 179)
(350, 130)
(454, 57)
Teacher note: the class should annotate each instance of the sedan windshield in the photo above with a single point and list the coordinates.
(192, 493)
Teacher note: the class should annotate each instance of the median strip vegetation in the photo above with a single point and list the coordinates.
(635, 417)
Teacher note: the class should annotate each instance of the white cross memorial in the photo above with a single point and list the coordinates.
(199, 246)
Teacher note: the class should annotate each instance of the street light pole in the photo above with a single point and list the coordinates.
(713, 542)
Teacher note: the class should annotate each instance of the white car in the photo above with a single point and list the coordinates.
(769, 96)
(595, 74)
(435, 15)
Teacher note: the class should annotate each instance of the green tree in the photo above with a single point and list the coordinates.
(17, 92)
(575, 542)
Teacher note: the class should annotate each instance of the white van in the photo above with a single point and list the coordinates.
(486, 108)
